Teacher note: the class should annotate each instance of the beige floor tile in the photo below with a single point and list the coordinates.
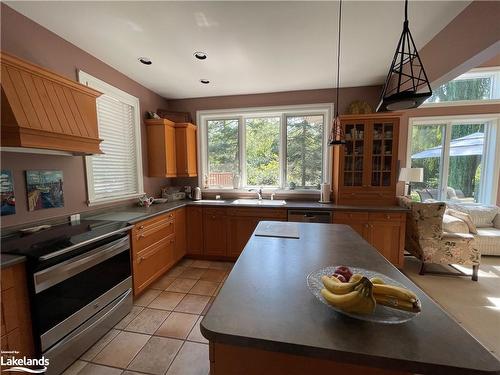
(207, 307)
(205, 288)
(147, 321)
(226, 266)
(181, 285)
(201, 263)
(166, 300)
(213, 275)
(193, 304)
(122, 349)
(191, 360)
(99, 345)
(195, 334)
(177, 325)
(192, 273)
(75, 368)
(175, 271)
(146, 297)
(156, 355)
(162, 283)
(130, 316)
(127, 372)
(185, 262)
(93, 369)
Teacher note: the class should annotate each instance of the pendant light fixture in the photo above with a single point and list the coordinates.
(337, 136)
(406, 79)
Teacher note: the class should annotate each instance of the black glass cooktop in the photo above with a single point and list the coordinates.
(40, 245)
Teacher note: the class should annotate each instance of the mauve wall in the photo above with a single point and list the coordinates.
(28, 40)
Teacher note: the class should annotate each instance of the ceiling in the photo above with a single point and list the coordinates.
(252, 47)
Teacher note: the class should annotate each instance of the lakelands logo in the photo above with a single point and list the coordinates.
(23, 364)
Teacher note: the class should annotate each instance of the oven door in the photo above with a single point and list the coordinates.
(69, 293)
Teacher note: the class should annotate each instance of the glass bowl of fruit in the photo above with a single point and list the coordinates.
(364, 294)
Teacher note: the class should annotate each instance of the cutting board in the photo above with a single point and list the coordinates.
(278, 229)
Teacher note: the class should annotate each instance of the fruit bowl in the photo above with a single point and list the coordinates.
(382, 314)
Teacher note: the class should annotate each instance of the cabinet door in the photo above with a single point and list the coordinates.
(353, 155)
(170, 153)
(185, 135)
(191, 151)
(385, 236)
(383, 158)
(180, 233)
(240, 231)
(214, 232)
(356, 220)
(194, 230)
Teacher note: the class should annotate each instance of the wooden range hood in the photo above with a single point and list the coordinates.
(44, 110)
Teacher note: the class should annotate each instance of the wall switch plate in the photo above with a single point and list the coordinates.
(74, 219)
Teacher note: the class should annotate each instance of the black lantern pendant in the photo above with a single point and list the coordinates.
(337, 136)
(406, 79)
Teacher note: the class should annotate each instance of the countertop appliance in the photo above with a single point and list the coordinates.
(196, 194)
(80, 283)
(310, 216)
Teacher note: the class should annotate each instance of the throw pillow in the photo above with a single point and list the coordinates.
(464, 217)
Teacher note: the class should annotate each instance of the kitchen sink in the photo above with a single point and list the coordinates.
(259, 202)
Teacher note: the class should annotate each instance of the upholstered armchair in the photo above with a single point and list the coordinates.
(426, 240)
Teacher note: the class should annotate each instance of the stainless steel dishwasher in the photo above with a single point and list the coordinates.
(310, 216)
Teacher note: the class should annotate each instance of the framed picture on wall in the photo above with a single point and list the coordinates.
(45, 189)
(7, 193)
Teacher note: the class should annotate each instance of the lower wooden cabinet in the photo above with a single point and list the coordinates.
(383, 230)
(16, 333)
(215, 230)
(180, 234)
(194, 230)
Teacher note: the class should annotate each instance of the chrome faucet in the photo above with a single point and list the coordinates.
(259, 192)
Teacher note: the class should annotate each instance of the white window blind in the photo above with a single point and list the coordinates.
(116, 174)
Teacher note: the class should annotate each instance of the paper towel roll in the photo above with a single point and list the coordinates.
(325, 193)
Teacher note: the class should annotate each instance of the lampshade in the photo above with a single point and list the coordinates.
(411, 174)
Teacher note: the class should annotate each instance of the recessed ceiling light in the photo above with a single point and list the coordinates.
(145, 60)
(200, 55)
(205, 81)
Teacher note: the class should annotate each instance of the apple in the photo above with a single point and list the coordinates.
(340, 277)
(344, 271)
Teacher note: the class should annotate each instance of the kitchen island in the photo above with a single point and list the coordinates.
(266, 321)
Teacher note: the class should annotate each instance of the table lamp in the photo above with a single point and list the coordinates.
(410, 175)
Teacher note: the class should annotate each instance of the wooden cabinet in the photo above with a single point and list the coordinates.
(161, 148)
(15, 311)
(185, 144)
(171, 148)
(365, 169)
(153, 249)
(242, 223)
(41, 109)
(194, 230)
(180, 234)
(215, 226)
(383, 230)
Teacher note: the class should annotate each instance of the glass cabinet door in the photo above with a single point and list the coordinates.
(353, 154)
(382, 153)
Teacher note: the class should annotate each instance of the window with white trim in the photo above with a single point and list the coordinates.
(459, 156)
(477, 86)
(279, 148)
(116, 174)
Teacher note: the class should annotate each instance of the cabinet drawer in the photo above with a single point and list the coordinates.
(152, 261)
(214, 211)
(10, 319)
(386, 216)
(268, 213)
(146, 235)
(340, 217)
(7, 278)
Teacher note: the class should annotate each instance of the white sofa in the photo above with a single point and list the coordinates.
(486, 220)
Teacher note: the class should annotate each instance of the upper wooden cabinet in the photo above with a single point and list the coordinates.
(365, 169)
(41, 109)
(185, 144)
(171, 148)
(161, 148)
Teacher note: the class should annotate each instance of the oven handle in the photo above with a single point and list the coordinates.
(54, 275)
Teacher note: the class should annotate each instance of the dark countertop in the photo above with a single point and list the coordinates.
(265, 303)
(136, 214)
(8, 260)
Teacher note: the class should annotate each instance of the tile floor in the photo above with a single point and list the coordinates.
(161, 335)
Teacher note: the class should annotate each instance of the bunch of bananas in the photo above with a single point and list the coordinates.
(360, 295)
